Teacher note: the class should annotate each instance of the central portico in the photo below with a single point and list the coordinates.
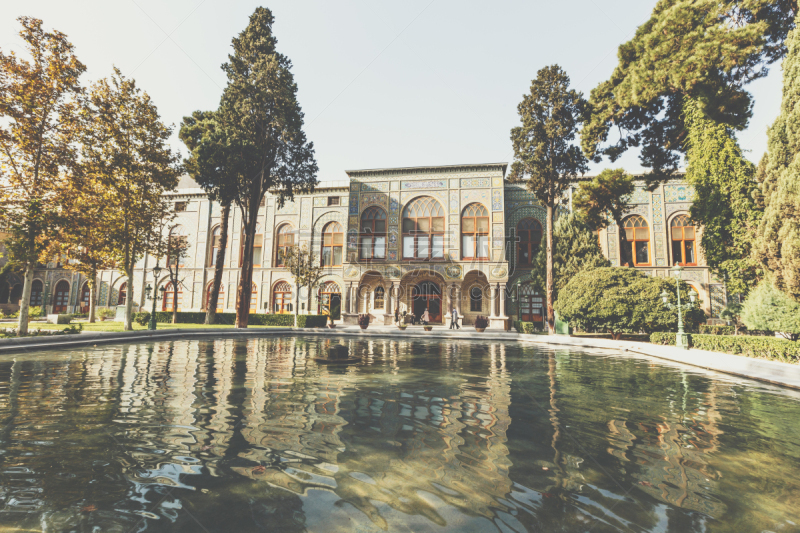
(427, 238)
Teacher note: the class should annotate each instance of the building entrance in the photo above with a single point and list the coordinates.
(427, 295)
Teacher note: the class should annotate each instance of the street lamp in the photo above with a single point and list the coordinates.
(681, 339)
(147, 290)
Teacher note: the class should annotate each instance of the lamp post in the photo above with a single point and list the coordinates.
(156, 272)
(681, 339)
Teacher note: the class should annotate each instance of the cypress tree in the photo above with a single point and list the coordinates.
(777, 244)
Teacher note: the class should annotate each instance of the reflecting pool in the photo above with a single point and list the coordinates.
(254, 435)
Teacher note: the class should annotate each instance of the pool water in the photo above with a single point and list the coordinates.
(254, 435)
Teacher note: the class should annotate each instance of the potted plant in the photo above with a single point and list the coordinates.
(401, 326)
(331, 324)
(363, 321)
(481, 323)
(427, 327)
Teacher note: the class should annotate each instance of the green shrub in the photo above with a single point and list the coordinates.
(768, 309)
(311, 321)
(35, 312)
(663, 337)
(286, 320)
(142, 318)
(106, 312)
(759, 347)
(523, 327)
(708, 329)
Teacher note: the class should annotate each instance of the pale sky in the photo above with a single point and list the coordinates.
(382, 84)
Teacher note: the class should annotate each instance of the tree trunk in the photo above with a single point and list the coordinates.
(128, 326)
(550, 283)
(296, 305)
(246, 280)
(25, 300)
(174, 280)
(92, 281)
(211, 311)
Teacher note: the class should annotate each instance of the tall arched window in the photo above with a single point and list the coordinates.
(476, 299)
(258, 243)
(332, 241)
(85, 296)
(178, 247)
(36, 293)
(380, 294)
(61, 297)
(529, 238)
(531, 304)
(475, 232)
(122, 295)
(683, 237)
(423, 229)
(170, 296)
(329, 299)
(216, 237)
(635, 242)
(284, 242)
(282, 298)
(373, 233)
(220, 297)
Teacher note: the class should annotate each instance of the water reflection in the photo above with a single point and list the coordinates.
(232, 435)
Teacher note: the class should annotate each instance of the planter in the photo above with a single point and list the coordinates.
(362, 326)
(402, 328)
(480, 330)
(331, 326)
(427, 328)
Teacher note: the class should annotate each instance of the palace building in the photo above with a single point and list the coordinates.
(417, 238)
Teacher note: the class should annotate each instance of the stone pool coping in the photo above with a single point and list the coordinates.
(774, 372)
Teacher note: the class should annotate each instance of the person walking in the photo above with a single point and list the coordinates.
(425, 318)
(397, 315)
(454, 319)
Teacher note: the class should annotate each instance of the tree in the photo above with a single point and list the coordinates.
(777, 245)
(305, 270)
(622, 300)
(213, 163)
(127, 153)
(575, 248)
(604, 198)
(39, 121)
(724, 183)
(768, 309)
(543, 152)
(703, 49)
(259, 112)
(176, 250)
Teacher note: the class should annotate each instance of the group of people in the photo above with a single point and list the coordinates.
(425, 318)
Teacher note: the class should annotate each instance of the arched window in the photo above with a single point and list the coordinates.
(476, 299)
(284, 242)
(282, 298)
(529, 238)
(85, 295)
(122, 294)
(683, 237)
(5, 290)
(330, 299)
(635, 242)
(220, 297)
(36, 293)
(61, 297)
(423, 229)
(170, 296)
(16, 294)
(216, 238)
(475, 232)
(373, 233)
(379, 298)
(332, 241)
(531, 304)
(177, 247)
(258, 243)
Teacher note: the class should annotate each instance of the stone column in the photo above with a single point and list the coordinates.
(349, 305)
(458, 300)
(492, 298)
(502, 300)
(388, 307)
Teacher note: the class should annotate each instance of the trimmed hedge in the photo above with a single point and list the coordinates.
(229, 319)
(758, 347)
(708, 329)
(310, 321)
(523, 327)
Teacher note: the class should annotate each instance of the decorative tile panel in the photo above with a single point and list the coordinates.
(497, 217)
(497, 236)
(497, 182)
(454, 204)
(642, 209)
(718, 301)
(454, 255)
(476, 182)
(289, 208)
(673, 208)
(497, 200)
(354, 204)
(613, 256)
(406, 196)
(379, 199)
(658, 210)
(481, 196)
(454, 184)
(355, 186)
(392, 255)
(352, 239)
(658, 236)
(393, 237)
(394, 203)
(305, 213)
(395, 185)
(353, 222)
(640, 196)
(432, 184)
(320, 201)
(519, 214)
(382, 186)
(678, 193)
(454, 219)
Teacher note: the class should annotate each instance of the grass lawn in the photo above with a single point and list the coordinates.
(117, 326)
(641, 337)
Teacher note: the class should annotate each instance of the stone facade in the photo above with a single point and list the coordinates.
(450, 277)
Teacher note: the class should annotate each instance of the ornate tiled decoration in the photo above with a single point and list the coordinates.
(454, 204)
(453, 272)
(344, 200)
(497, 217)
(353, 222)
(393, 236)
(355, 186)
(395, 185)
(718, 302)
(407, 196)
(642, 209)
(392, 255)
(658, 210)
(454, 255)
(352, 239)
(453, 237)
(305, 213)
(661, 273)
(613, 256)
(394, 203)
(497, 199)
(481, 196)
(658, 236)
(640, 196)
(521, 213)
(393, 219)
(499, 272)
(289, 208)
(351, 272)
(454, 219)
(497, 255)
(376, 198)
(73, 297)
(497, 236)
(431, 184)
(693, 275)
(678, 193)
(354, 204)
(103, 292)
(497, 182)
(454, 184)
(476, 182)
(673, 208)
(381, 186)
(320, 201)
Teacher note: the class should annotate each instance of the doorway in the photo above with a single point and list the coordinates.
(427, 295)
(61, 297)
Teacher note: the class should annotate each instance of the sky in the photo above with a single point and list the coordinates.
(382, 84)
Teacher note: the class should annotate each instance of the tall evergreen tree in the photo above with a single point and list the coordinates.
(724, 183)
(604, 198)
(703, 49)
(544, 153)
(259, 111)
(778, 241)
